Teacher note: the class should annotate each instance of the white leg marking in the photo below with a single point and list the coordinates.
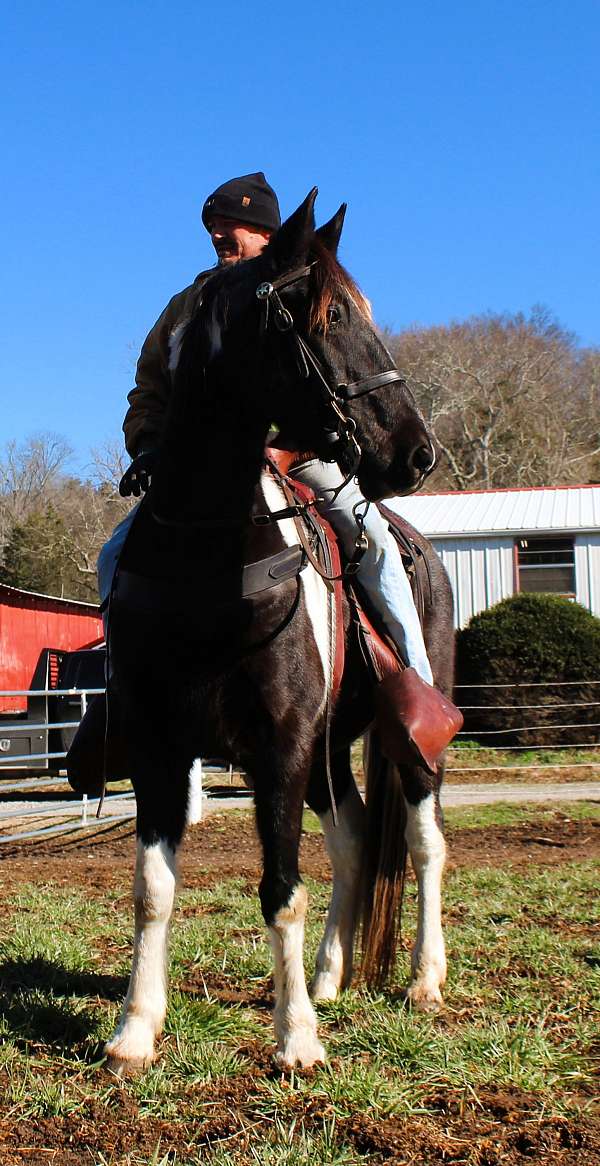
(315, 592)
(294, 1017)
(146, 1002)
(194, 805)
(427, 850)
(344, 844)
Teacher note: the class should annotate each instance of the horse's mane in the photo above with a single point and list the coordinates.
(332, 281)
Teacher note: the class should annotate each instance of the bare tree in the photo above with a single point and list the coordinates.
(108, 464)
(27, 472)
(53, 525)
(510, 400)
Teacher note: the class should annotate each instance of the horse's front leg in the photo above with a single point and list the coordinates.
(344, 841)
(427, 849)
(283, 897)
(159, 831)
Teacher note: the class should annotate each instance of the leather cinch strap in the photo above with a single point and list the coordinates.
(170, 595)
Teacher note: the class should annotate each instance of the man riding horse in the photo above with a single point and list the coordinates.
(217, 648)
(241, 216)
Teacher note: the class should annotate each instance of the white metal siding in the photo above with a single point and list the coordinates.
(587, 571)
(558, 508)
(480, 572)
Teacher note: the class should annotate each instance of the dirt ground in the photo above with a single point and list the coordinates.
(225, 845)
(501, 1127)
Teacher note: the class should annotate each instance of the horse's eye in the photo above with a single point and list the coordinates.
(333, 315)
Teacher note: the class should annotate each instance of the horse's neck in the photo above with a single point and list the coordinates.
(195, 519)
(210, 464)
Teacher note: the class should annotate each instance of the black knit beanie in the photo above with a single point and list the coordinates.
(248, 199)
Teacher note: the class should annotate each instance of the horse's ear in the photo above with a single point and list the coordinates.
(292, 240)
(330, 232)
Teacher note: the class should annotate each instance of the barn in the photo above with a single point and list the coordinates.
(29, 623)
(494, 543)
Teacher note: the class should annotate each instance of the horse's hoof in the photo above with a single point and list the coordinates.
(130, 1052)
(122, 1068)
(323, 988)
(423, 998)
(302, 1050)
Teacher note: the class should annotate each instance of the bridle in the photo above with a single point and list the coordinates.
(343, 428)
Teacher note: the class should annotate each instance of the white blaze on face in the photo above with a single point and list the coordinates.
(315, 592)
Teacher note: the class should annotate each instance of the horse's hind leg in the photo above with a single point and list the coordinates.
(279, 803)
(344, 843)
(159, 831)
(427, 849)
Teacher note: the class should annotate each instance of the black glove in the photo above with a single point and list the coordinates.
(136, 479)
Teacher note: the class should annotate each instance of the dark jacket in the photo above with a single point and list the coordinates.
(144, 420)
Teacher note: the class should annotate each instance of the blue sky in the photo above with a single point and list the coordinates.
(463, 136)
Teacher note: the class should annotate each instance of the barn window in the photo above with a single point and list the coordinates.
(546, 564)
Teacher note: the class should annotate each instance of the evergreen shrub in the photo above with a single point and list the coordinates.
(532, 640)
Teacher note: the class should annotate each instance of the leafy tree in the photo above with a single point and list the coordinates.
(37, 554)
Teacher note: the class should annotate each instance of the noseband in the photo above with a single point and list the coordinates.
(343, 428)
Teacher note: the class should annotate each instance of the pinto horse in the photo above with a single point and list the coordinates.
(202, 668)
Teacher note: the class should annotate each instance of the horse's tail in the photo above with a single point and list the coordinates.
(384, 864)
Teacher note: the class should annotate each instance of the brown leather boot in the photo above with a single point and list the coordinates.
(416, 722)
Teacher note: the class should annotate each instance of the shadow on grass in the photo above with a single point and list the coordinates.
(30, 1013)
(49, 976)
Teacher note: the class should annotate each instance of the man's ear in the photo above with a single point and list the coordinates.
(291, 242)
(330, 232)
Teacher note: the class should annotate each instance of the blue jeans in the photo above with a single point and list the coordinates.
(109, 555)
(381, 573)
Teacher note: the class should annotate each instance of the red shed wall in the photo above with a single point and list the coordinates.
(29, 623)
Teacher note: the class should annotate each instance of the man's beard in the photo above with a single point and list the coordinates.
(227, 253)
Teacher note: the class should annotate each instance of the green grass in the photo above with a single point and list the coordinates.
(498, 814)
(469, 753)
(517, 814)
(523, 1000)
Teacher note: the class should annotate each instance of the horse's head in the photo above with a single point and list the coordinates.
(293, 327)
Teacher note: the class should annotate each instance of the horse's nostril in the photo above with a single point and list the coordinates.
(423, 458)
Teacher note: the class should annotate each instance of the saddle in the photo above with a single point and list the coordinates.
(416, 722)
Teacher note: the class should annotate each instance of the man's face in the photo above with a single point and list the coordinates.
(234, 241)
